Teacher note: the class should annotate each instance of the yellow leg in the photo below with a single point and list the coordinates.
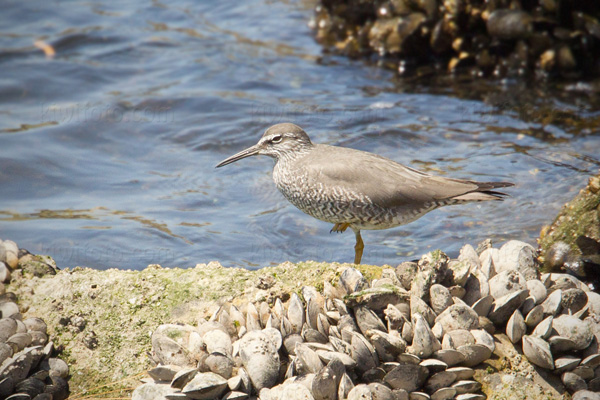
(358, 247)
(341, 227)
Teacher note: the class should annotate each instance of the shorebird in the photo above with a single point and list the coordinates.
(356, 189)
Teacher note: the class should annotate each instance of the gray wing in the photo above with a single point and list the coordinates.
(384, 181)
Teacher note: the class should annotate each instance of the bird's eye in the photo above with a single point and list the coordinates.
(276, 139)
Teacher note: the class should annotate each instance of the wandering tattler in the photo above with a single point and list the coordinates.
(355, 189)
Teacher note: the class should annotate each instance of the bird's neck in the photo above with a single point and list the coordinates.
(291, 156)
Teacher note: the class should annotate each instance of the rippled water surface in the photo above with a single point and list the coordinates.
(107, 149)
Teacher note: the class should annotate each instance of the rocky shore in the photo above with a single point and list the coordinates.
(541, 39)
(436, 329)
(489, 324)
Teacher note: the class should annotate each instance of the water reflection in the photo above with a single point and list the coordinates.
(107, 149)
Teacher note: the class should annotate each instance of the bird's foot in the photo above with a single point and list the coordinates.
(340, 227)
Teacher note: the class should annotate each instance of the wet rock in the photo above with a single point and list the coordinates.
(474, 354)
(260, 359)
(219, 364)
(573, 300)
(460, 271)
(205, 385)
(387, 346)
(537, 290)
(406, 272)
(566, 363)
(508, 24)
(516, 327)
(377, 299)
(440, 298)
(535, 316)
(551, 305)
(544, 328)
(439, 380)
(296, 314)
(537, 351)
(360, 392)
(8, 327)
(462, 373)
(307, 360)
(173, 351)
(507, 282)
(424, 343)
(450, 357)
(483, 306)
(35, 324)
(8, 309)
(182, 377)
(586, 395)
(516, 255)
(55, 367)
(457, 338)
(164, 372)
(151, 391)
(367, 320)
(296, 391)
(235, 395)
(363, 352)
(505, 306)
(345, 387)
(408, 377)
(325, 384)
(560, 344)
(418, 306)
(483, 338)
(573, 382)
(476, 287)
(458, 317)
(433, 365)
(574, 329)
(217, 341)
(381, 392)
(466, 386)
(352, 280)
(446, 393)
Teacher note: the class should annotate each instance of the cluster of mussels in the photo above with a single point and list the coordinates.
(416, 333)
(27, 369)
(549, 38)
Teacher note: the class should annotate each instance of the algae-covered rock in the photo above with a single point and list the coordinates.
(572, 241)
(121, 309)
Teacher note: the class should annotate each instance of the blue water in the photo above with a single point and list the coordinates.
(108, 148)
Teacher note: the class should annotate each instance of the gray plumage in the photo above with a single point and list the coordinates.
(357, 189)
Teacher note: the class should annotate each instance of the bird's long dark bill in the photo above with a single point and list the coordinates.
(250, 151)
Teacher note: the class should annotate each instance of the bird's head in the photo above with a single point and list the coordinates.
(279, 141)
